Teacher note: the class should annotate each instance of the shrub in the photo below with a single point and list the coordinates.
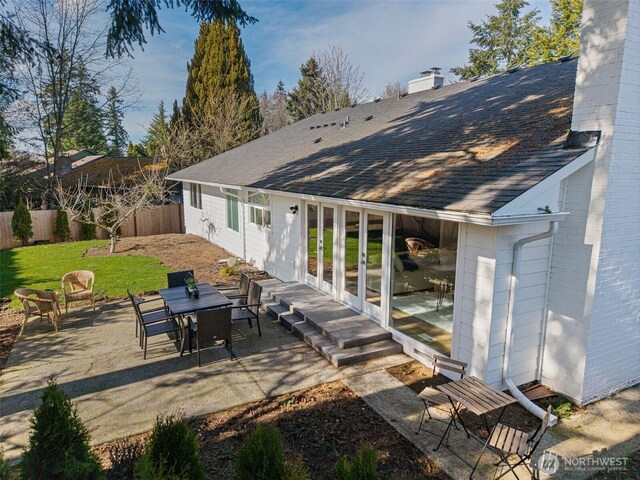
(88, 230)
(172, 452)
(21, 223)
(261, 457)
(5, 471)
(364, 465)
(123, 456)
(59, 442)
(62, 230)
(228, 271)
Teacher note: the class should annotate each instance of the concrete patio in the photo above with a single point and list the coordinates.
(96, 360)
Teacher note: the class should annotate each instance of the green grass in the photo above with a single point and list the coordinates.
(43, 266)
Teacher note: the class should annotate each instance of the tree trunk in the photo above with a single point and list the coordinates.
(113, 238)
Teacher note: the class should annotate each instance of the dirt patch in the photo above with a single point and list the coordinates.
(10, 321)
(317, 425)
(183, 252)
(417, 376)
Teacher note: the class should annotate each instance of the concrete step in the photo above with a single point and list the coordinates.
(274, 309)
(289, 320)
(340, 357)
(345, 327)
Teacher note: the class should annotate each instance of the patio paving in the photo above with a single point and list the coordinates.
(96, 360)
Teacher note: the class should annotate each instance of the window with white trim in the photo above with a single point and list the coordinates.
(233, 222)
(196, 195)
(260, 209)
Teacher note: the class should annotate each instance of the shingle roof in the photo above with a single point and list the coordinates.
(469, 146)
(99, 171)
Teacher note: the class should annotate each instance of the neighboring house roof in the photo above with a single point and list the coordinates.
(99, 171)
(85, 160)
(78, 154)
(468, 146)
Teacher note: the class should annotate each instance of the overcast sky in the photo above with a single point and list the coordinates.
(390, 40)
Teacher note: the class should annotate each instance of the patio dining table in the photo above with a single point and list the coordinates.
(478, 398)
(180, 303)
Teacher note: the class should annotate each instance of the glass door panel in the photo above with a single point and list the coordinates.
(312, 241)
(326, 247)
(351, 246)
(373, 293)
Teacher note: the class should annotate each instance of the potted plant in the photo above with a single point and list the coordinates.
(192, 288)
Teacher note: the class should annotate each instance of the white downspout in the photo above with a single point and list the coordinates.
(506, 366)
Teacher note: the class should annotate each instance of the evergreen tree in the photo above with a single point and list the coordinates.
(158, 131)
(83, 119)
(503, 40)
(116, 134)
(307, 98)
(21, 224)
(220, 69)
(62, 230)
(562, 36)
(176, 114)
(279, 114)
(136, 150)
(264, 105)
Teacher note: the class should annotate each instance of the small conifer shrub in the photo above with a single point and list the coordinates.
(62, 230)
(172, 452)
(21, 223)
(364, 465)
(58, 443)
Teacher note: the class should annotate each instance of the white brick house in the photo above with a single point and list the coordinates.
(459, 218)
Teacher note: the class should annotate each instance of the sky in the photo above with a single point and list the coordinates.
(390, 40)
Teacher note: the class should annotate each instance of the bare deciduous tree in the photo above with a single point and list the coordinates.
(114, 203)
(343, 80)
(393, 90)
(218, 131)
(71, 41)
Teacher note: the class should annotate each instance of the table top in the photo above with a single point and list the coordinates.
(477, 396)
(179, 301)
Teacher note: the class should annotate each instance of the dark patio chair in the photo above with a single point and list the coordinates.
(210, 326)
(154, 322)
(176, 279)
(432, 397)
(239, 292)
(507, 441)
(145, 313)
(249, 309)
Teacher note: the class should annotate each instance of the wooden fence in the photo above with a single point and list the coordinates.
(150, 221)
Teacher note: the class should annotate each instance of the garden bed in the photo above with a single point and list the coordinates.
(317, 425)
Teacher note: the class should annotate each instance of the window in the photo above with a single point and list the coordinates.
(232, 210)
(196, 195)
(260, 209)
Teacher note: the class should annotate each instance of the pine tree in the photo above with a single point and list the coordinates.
(219, 69)
(503, 40)
(21, 224)
(279, 114)
(176, 114)
(561, 37)
(264, 104)
(83, 119)
(116, 134)
(307, 98)
(136, 150)
(158, 131)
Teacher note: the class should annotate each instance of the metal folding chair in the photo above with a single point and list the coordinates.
(507, 441)
(434, 397)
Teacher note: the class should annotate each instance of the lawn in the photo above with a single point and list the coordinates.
(43, 266)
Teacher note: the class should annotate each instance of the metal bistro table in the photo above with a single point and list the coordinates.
(180, 303)
(480, 399)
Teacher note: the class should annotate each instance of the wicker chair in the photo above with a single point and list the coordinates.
(78, 287)
(417, 245)
(39, 302)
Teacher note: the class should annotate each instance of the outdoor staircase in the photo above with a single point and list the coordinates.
(338, 333)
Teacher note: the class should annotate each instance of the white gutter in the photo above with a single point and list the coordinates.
(453, 216)
(506, 366)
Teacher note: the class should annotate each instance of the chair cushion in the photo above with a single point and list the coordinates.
(79, 295)
(434, 397)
